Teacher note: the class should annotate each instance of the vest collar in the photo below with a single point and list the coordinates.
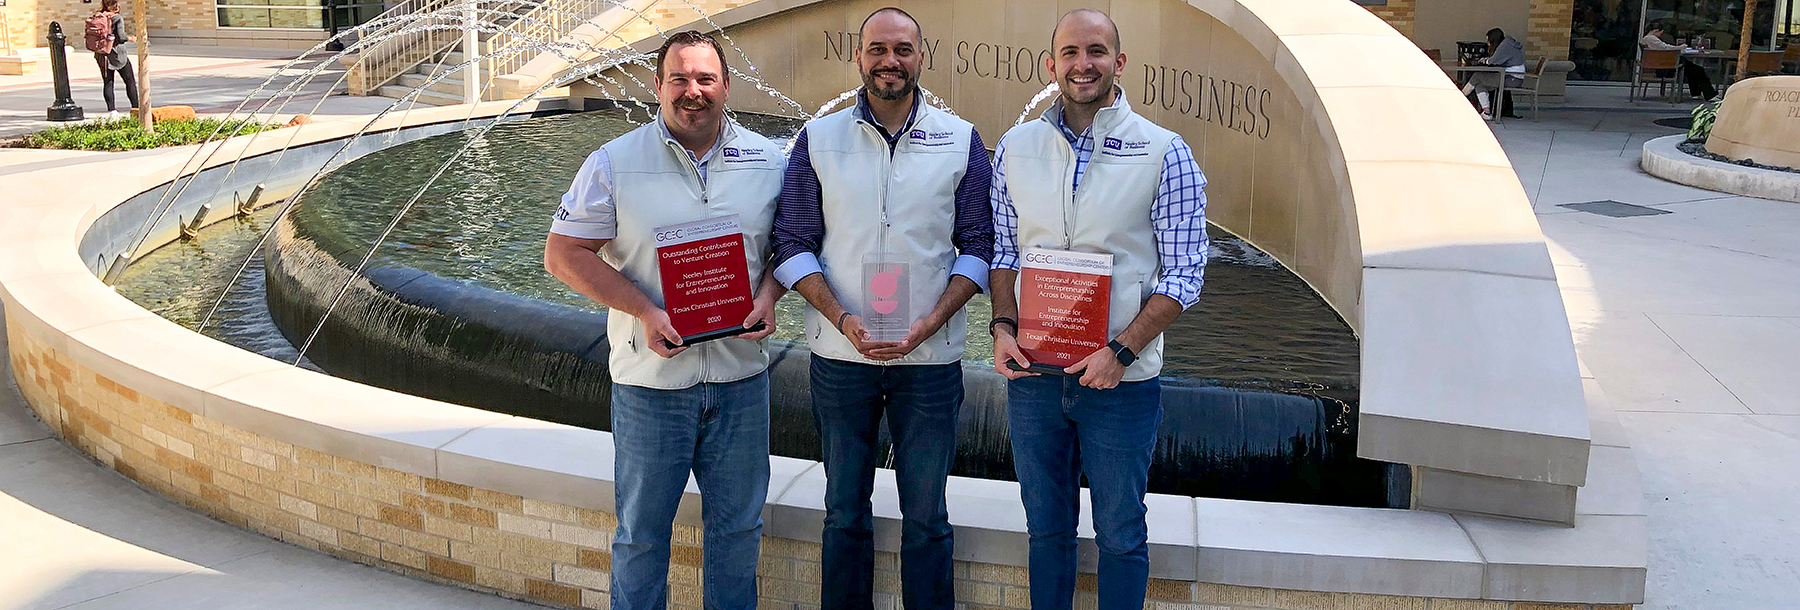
(1105, 121)
(727, 133)
(867, 115)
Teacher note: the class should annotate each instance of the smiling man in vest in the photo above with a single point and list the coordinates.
(1137, 197)
(678, 408)
(884, 226)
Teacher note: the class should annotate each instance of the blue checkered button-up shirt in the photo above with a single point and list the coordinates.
(1179, 216)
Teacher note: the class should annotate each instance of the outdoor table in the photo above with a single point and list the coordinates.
(1461, 74)
(1708, 60)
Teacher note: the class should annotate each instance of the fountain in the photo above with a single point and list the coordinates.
(1320, 377)
(454, 306)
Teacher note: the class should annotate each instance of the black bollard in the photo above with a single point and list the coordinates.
(64, 109)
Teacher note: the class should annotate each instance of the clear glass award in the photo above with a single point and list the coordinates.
(887, 298)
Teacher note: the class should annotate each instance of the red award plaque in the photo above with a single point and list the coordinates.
(705, 278)
(1063, 301)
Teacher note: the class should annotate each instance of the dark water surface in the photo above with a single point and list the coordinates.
(1260, 377)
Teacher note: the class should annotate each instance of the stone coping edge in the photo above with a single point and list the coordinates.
(1664, 160)
(55, 299)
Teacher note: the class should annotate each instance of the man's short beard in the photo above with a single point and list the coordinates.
(869, 85)
(1106, 87)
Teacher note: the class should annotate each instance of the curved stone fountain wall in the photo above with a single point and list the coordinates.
(1329, 142)
(1465, 357)
(414, 332)
(454, 338)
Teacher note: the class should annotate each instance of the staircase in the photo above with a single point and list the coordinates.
(405, 65)
(436, 53)
(445, 92)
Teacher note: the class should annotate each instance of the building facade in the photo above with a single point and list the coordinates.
(291, 24)
(1599, 36)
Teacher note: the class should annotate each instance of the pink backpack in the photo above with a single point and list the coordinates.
(99, 33)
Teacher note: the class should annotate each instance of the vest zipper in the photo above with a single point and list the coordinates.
(887, 177)
(1069, 202)
(688, 162)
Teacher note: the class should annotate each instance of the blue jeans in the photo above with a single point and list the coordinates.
(1054, 423)
(921, 402)
(720, 431)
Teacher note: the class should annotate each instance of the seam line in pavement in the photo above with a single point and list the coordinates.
(1474, 271)
(1622, 229)
(96, 79)
(3, 445)
(130, 588)
(1702, 199)
(1542, 171)
(1672, 412)
(1702, 366)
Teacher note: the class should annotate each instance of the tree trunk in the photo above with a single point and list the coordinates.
(141, 15)
(1743, 61)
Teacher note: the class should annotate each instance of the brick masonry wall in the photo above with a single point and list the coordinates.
(475, 538)
(183, 15)
(28, 21)
(1548, 28)
(1397, 13)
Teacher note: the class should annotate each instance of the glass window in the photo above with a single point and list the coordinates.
(296, 14)
(1603, 38)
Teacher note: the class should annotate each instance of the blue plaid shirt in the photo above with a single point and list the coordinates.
(1179, 216)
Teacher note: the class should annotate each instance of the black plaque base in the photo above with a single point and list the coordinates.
(688, 340)
(1045, 369)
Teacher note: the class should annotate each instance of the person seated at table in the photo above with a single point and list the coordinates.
(1509, 54)
(1698, 82)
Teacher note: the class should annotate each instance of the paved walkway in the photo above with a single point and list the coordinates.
(1690, 321)
(211, 79)
(76, 535)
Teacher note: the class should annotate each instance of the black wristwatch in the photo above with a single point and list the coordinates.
(1124, 354)
(1003, 320)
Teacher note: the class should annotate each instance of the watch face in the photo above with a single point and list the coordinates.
(1124, 354)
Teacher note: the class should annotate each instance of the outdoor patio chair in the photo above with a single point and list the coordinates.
(1533, 82)
(1764, 63)
(1650, 69)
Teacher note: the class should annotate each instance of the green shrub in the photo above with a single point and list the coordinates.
(1704, 116)
(126, 133)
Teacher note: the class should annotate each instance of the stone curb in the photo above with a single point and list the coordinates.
(1663, 160)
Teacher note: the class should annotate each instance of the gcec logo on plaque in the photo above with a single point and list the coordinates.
(705, 278)
(1063, 301)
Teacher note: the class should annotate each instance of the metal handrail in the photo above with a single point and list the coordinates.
(385, 61)
(548, 22)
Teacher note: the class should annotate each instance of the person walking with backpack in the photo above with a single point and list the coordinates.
(105, 32)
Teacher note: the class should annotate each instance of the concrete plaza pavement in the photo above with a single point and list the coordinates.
(76, 535)
(1689, 320)
(211, 79)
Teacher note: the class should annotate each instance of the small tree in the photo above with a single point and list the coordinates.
(140, 12)
(1743, 60)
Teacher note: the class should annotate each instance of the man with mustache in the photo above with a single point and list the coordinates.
(1139, 197)
(678, 408)
(883, 211)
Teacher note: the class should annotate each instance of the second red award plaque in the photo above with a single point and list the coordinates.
(705, 278)
(1063, 302)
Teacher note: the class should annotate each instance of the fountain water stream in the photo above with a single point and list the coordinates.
(1305, 437)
